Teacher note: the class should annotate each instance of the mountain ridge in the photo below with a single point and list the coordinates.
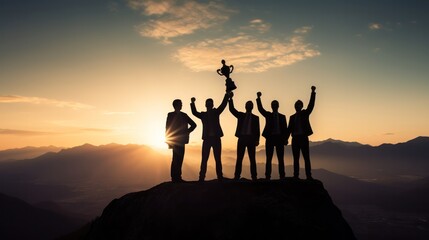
(416, 140)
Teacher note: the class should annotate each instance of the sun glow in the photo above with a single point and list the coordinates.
(154, 136)
(157, 139)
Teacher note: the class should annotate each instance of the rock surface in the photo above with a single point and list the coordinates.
(287, 209)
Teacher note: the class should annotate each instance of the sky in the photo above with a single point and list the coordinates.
(75, 72)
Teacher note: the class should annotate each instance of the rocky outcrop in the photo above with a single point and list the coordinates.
(287, 209)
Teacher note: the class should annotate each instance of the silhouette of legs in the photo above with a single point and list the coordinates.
(301, 144)
(240, 154)
(269, 149)
(251, 151)
(216, 144)
(242, 143)
(280, 150)
(204, 158)
(176, 163)
(306, 154)
(217, 148)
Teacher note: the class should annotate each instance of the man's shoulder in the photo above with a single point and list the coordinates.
(305, 111)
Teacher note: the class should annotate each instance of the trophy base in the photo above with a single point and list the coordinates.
(230, 85)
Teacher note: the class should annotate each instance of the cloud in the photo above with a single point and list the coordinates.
(101, 130)
(43, 101)
(66, 130)
(22, 132)
(173, 18)
(258, 25)
(375, 26)
(246, 52)
(119, 113)
(303, 30)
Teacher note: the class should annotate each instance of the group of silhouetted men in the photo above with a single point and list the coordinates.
(276, 133)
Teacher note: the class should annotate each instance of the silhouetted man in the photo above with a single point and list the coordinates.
(276, 135)
(212, 133)
(300, 129)
(248, 132)
(177, 130)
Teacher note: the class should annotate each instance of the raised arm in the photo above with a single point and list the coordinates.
(232, 108)
(222, 106)
(312, 100)
(259, 104)
(194, 109)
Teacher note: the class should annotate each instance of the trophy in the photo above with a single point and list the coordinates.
(225, 71)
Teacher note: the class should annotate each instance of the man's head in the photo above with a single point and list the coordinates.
(177, 104)
(209, 103)
(298, 105)
(249, 106)
(223, 61)
(275, 105)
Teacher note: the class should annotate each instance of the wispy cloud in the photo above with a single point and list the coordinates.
(247, 52)
(22, 132)
(69, 130)
(258, 25)
(44, 101)
(118, 113)
(173, 18)
(303, 30)
(99, 130)
(375, 26)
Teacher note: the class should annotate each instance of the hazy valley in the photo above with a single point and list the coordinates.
(384, 187)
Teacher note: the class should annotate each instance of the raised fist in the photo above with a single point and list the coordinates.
(313, 88)
(193, 100)
(259, 94)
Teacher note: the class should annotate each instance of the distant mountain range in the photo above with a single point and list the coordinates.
(81, 181)
(384, 163)
(26, 152)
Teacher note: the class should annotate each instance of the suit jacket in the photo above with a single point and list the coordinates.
(176, 128)
(210, 119)
(270, 121)
(304, 119)
(241, 116)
